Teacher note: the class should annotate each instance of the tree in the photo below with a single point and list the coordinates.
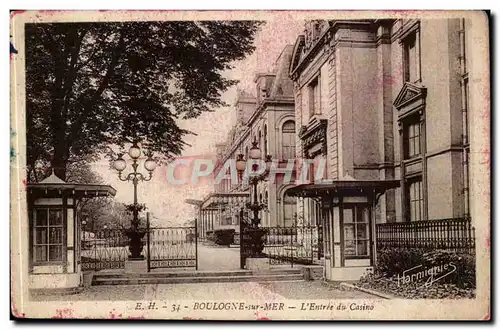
(91, 85)
(104, 211)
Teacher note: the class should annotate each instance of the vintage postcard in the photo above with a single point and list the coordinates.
(250, 165)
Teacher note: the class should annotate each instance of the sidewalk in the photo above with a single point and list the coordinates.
(274, 291)
(218, 258)
(225, 258)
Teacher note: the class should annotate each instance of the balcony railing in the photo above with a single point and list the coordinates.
(456, 235)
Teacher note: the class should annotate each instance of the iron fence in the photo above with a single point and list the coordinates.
(456, 235)
(104, 249)
(293, 245)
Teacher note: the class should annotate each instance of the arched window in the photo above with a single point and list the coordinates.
(288, 140)
(289, 210)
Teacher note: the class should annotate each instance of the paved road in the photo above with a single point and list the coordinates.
(211, 291)
(218, 258)
(210, 259)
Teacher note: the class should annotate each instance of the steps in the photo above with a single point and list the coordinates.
(198, 277)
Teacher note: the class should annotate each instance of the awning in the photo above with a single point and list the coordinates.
(342, 188)
(217, 199)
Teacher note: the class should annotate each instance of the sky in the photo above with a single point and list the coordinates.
(166, 201)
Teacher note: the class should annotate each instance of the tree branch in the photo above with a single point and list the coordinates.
(90, 104)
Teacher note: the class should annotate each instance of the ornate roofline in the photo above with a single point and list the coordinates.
(298, 64)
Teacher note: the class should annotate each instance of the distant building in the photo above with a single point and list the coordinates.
(268, 119)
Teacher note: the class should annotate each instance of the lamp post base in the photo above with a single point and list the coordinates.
(136, 266)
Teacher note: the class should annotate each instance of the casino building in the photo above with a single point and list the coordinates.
(388, 105)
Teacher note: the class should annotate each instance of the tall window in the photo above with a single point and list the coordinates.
(48, 235)
(415, 199)
(410, 57)
(289, 210)
(412, 137)
(288, 141)
(356, 231)
(314, 97)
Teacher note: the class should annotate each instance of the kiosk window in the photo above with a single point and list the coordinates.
(48, 238)
(356, 231)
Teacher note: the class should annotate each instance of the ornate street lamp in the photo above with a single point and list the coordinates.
(255, 154)
(134, 234)
(253, 236)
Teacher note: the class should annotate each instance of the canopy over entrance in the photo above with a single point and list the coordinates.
(343, 188)
(221, 199)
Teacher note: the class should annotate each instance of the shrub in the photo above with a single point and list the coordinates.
(224, 236)
(465, 274)
(394, 261)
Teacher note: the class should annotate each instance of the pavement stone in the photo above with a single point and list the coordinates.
(209, 291)
(212, 259)
(93, 293)
(218, 258)
(269, 291)
(313, 290)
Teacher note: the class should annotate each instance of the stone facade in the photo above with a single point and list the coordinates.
(394, 97)
(263, 117)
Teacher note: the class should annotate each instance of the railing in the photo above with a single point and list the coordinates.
(299, 245)
(456, 235)
(172, 247)
(104, 249)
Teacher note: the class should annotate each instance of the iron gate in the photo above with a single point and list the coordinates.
(282, 245)
(293, 245)
(172, 247)
(166, 247)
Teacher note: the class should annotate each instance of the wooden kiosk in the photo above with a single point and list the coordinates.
(54, 232)
(348, 222)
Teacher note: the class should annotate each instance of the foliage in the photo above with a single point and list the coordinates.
(397, 260)
(78, 170)
(465, 274)
(394, 263)
(91, 85)
(224, 236)
(140, 207)
(415, 290)
(190, 223)
(101, 211)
